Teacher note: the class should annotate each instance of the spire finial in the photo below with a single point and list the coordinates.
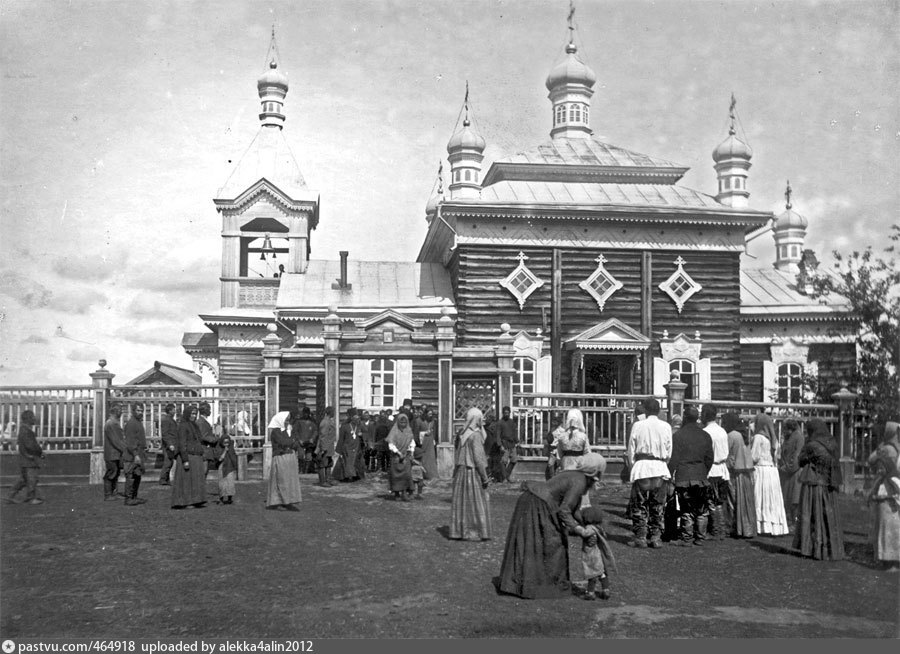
(466, 105)
(570, 19)
(731, 107)
(440, 179)
(787, 195)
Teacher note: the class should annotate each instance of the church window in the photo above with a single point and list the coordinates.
(521, 282)
(523, 380)
(795, 251)
(686, 375)
(784, 251)
(790, 383)
(468, 175)
(560, 114)
(382, 387)
(585, 113)
(680, 286)
(601, 284)
(455, 175)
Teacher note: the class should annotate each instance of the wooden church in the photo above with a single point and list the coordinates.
(573, 266)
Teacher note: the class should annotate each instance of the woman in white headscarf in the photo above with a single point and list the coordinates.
(470, 509)
(241, 426)
(572, 440)
(770, 514)
(536, 555)
(284, 477)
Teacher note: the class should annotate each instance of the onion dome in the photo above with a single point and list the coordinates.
(790, 219)
(272, 77)
(466, 138)
(732, 148)
(571, 70)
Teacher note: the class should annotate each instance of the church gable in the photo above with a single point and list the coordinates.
(609, 334)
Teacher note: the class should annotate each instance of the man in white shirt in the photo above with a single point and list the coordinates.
(648, 452)
(720, 499)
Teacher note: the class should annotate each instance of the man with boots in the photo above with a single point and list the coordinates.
(509, 440)
(168, 430)
(134, 455)
(211, 449)
(648, 451)
(719, 484)
(30, 455)
(113, 449)
(692, 458)
(325, 448)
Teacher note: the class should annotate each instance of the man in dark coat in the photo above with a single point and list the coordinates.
(692, 457)
(134, 455)
(208, 437)
(30, 455)
(168, 430)
(382, 429)
(509, 439)
(113, 449)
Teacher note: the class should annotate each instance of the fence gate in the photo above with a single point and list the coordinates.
(473, 392)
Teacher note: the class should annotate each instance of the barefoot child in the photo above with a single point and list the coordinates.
(595, 552)
(227, 470)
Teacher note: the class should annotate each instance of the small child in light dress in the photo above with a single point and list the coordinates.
(596, 555)
(228, 465)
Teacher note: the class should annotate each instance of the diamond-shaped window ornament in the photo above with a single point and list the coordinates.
(521, 282)
(680, 287)
(601, 284)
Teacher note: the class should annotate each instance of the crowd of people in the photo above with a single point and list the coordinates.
(698, 480)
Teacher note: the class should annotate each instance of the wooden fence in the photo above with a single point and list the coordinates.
(64, 416)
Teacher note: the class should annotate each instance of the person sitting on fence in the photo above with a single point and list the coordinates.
(113, 448)
(168, 431)
(135, 455)
(228, 465)
(30, 455)
(572, 441)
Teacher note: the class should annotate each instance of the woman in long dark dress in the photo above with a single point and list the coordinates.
(401, 446)
(470, 508)
(189, 486)
(536, 555)
(350, 450)
(284, 476)
(819, 532)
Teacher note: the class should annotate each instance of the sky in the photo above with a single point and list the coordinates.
(119, 121)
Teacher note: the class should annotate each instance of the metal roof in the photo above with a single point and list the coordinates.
(375, 284)
(178, 375)
(767, 291)
(654, 195)
(267, 157)
(586, 152)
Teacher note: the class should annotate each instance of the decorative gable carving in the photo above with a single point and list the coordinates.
(680, 347)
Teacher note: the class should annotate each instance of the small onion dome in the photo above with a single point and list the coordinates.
(790, 220)
(272, 77)
(571, 70)
(466, 138)
(732, 148)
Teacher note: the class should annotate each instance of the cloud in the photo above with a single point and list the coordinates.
(28, 293)
(178, 276)
(166, 337)
(92, 269)
(77, 301)
(34, 338)
(85, 353)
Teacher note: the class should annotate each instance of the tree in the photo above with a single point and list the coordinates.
(871, 285)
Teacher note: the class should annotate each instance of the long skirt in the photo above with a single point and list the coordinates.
(400, 474)
(744, 503)
(226, 483)
(470, 506)
(189, 486)
(819, 532)
(536, 555)
(886, 531)
(284, 481)
(770, 516)
(429, 457)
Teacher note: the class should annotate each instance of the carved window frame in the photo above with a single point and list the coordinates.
(509, 285)
(668, 286)
(601, 272)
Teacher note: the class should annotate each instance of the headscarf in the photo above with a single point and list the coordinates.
(186, 414)
(241, 423)
(401, 434)
(591, 465)
(892, 434)
(818, 431)
(280, 420)
(574, 418)
(765, 426)
(474, 422)
(731, 422)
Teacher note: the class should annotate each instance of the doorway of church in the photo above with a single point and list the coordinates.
(604, 374)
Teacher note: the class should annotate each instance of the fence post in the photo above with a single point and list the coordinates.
(101, 380)
(675, 395)
(331, 334)
(445, 337)
(271, 364)
(845, 399)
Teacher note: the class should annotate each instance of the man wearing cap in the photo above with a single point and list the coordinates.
(648, 451)
(134, 455)
(30, 455)
(168, 430)
(113, 449)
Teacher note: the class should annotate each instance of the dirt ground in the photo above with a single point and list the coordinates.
(352, 563)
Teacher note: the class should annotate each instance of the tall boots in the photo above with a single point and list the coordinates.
(717, 522)
(323, 479)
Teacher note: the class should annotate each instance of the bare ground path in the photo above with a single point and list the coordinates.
(352, 563)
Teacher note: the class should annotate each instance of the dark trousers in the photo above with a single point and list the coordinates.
(646, 507)
(132, 483)
(720, 507)
(111, 478)
(693, 512)
(168, 462)
(29, 481)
